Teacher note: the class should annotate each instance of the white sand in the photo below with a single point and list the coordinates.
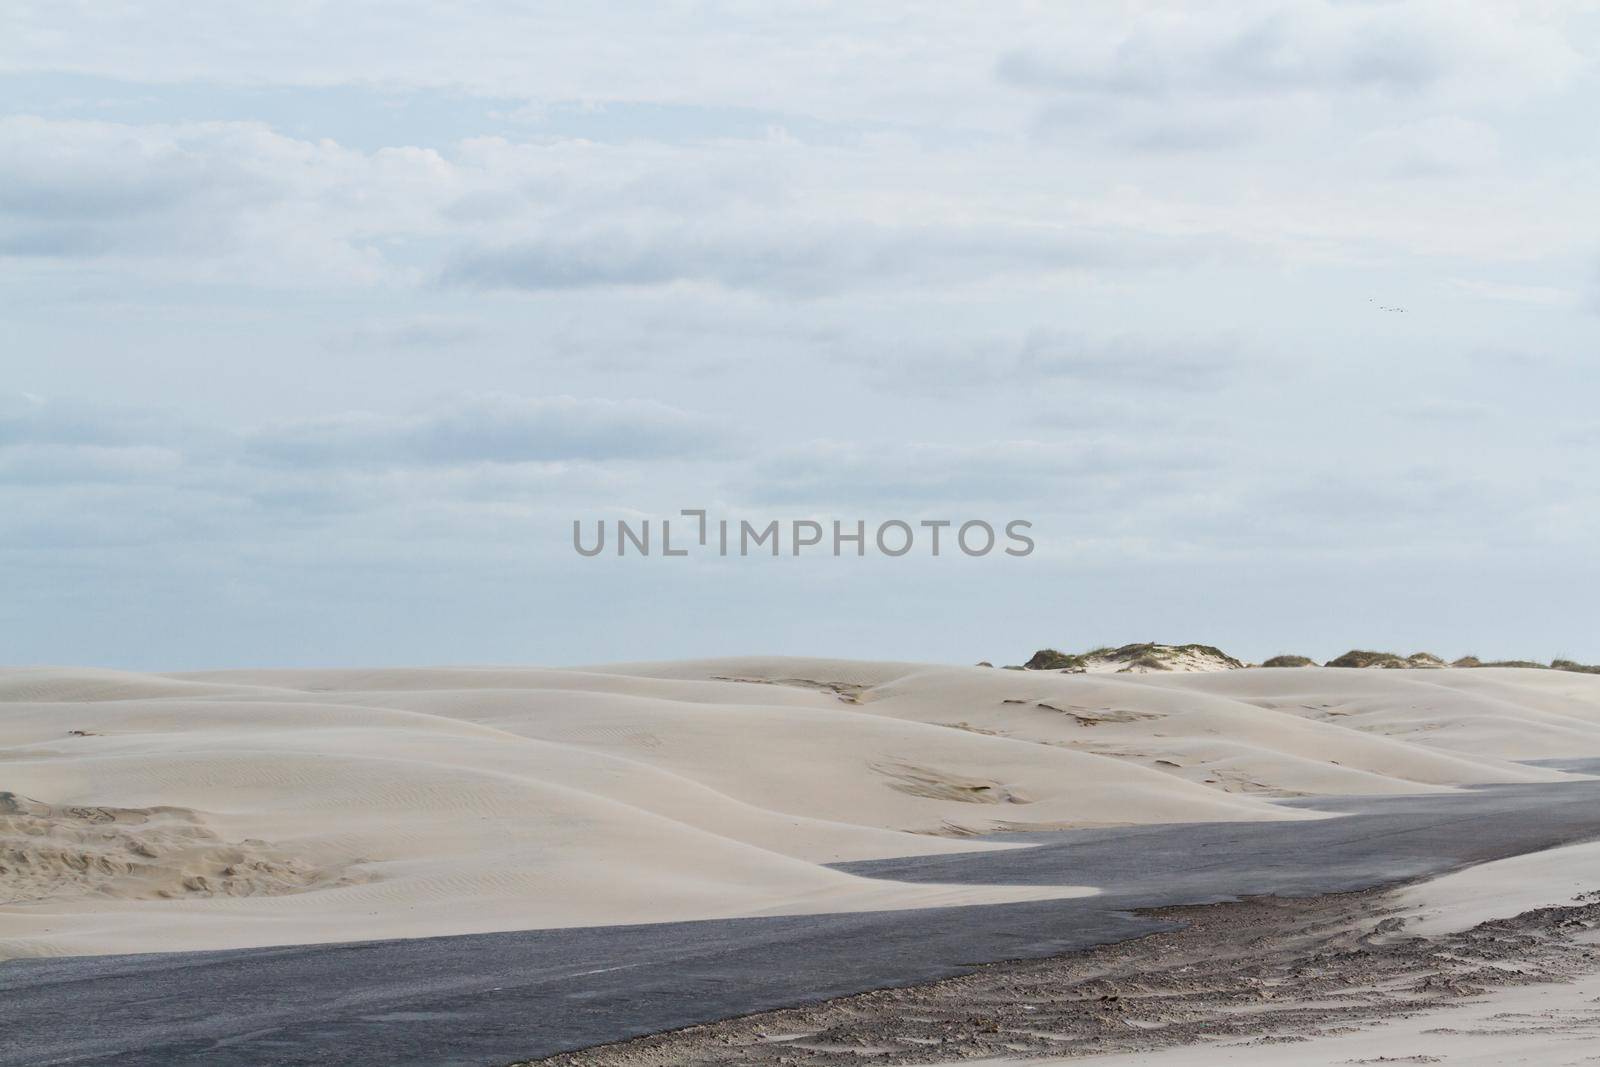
(1537, 1024)
(1557, 877)
(267, 807)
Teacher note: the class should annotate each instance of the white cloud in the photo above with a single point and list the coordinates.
(54, 465)
(152, 477)
(30, 420)
(1104, 262)
(1258, 50)
(1514, 293)
(490, 429)
(1077, 361)
(795, 260)
(1062, 475)
(187, 195)
(1440, 146)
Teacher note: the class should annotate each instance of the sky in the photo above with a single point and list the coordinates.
(321, 324)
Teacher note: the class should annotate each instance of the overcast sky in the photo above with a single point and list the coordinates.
(322, 322)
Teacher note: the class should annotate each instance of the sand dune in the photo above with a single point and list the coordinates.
(258, 807)
(1269, 731)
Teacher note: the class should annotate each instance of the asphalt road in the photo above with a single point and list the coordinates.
(489, 999)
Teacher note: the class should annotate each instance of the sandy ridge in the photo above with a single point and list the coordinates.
(306, 805)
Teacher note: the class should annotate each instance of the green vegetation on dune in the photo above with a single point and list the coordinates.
(1553, 665)
(1364, 658)
(1048, 659)
(1146, 655)
(1289, 661)
(1151, 656)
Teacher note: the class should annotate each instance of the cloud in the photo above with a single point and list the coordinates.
(1100, 264)
(1144, 362)
(1191, 79)
(468, 454)
(56, 464)
(1269, 55)
(29, 420)
(490, 429)
(1103, 363)
(1517, 293)
(1434, 147)
(1260, 51)
(1061, 474)
(452, 431)
(1405, 512)
(794, 58)
(92, 171)
(186, 195)
(205, 201)
(794, 259)
(1439, 410)
(420, 334)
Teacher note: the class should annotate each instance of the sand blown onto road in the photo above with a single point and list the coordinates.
(143, 812)
(1506, 1006)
